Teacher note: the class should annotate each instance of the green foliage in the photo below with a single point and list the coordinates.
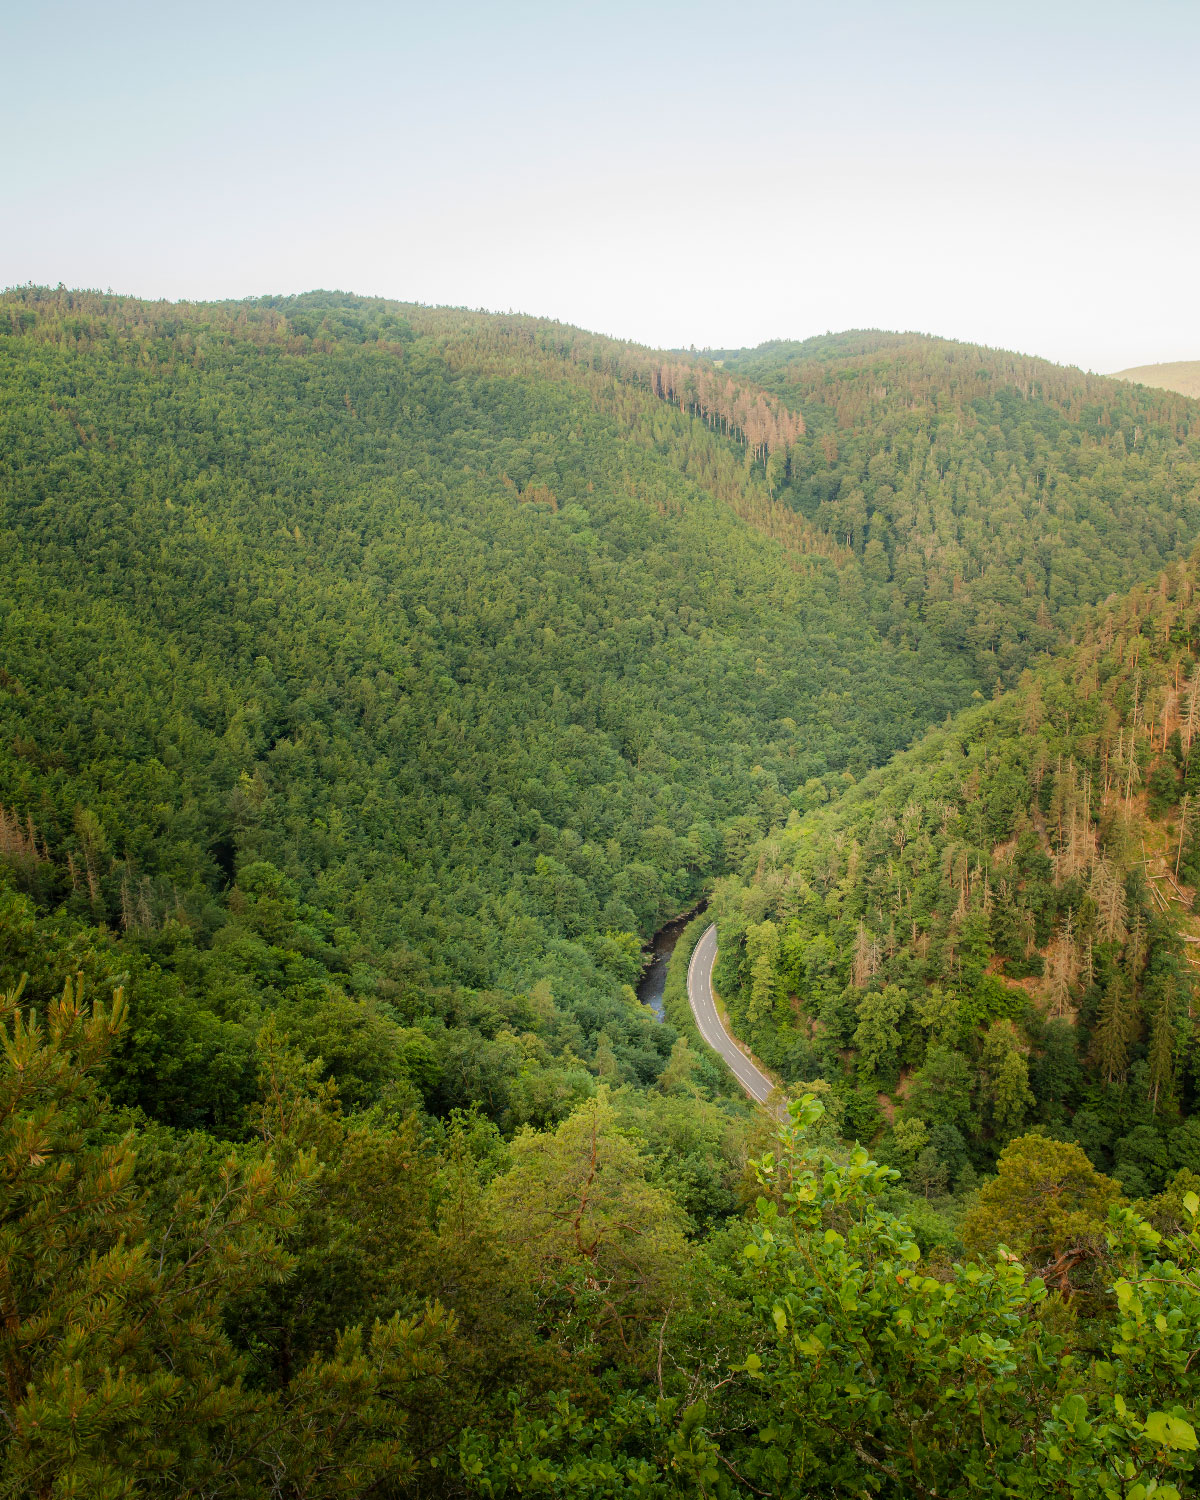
(600, 1243)
(987, 494)
(1047, 1202)
(1007, 877)
(565, 1453)
(877, 1037)
(119, 1376)
(376, 678)
(877, 1376)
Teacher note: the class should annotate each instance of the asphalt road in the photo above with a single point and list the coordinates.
(704, 1008)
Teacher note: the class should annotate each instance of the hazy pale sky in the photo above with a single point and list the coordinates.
(1020, 174)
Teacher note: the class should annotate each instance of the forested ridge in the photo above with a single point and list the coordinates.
(987, 494)
(374, 679)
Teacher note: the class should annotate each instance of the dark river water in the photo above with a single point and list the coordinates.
(654, 977)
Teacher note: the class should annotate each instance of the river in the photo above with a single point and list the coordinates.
(654, 977)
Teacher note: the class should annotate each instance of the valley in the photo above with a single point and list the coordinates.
(377, 682)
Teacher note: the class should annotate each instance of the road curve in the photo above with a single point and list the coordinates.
(712, 1029)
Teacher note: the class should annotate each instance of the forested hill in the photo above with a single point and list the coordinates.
(373, 680)
(998, 930)
(985, 493)
(1182, 375)
(368, 658)
(380, 665)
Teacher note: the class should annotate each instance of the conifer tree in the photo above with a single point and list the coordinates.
(1110, 1040)
(1161, 1055)
(866, 957)
(1006, 1078)
(114, 1357)
(1107, 890)
(119, 1376)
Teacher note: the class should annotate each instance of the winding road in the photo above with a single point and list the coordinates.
(712, 1028)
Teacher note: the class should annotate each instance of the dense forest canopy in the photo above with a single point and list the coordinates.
(986, 493)
(457, 674)
(374, 679)
(997, 928)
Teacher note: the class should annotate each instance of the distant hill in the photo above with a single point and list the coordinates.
(1182, 375)
(452, 631)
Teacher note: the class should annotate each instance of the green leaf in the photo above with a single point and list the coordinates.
(1170, 1432)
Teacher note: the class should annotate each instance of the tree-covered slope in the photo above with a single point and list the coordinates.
(987, 494)
(360, 654)
(996, 930)
(353, 655)
(374, 678)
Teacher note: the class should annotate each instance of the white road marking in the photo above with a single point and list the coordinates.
(700, 997)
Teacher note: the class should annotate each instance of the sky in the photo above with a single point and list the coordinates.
(1016, 174)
